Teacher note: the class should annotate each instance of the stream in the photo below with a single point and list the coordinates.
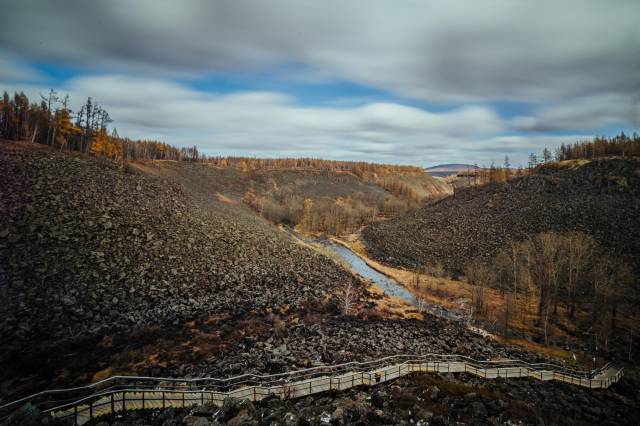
(388, 285)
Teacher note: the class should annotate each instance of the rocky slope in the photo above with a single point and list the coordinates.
(601, 197)
(421, 400)
(428, 399)
(106, 272)
(271, 343)
(87, 247)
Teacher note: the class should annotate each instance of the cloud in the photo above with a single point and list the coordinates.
(436, 51)
(582, 113)
(574, 64)
(12, 70)
(274, 124)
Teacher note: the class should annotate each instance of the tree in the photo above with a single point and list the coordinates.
(346, 295)
(100, 145)
(64, 128)
(50, 99)
(579, 249)
(546, 155)
(479, 276)
(507, 167)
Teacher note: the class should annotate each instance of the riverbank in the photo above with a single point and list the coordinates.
(391, 300)
(454, 296)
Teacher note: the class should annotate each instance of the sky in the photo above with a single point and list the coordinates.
(406, 82)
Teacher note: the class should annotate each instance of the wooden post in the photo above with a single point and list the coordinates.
(113, 409)
(143, 400)
(124, 401)
(75, 415)
(91, 409)
(163, 400)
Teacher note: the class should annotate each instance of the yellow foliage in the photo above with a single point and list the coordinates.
(106, 146)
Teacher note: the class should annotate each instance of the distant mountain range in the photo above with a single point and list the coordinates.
(444, 170)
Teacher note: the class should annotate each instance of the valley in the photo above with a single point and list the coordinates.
(219, 290)
(319, 213)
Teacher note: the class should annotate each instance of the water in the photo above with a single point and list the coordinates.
(388, 286)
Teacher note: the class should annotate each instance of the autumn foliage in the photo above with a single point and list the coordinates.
(51, 122)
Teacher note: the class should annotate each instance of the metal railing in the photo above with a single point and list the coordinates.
(121, 393)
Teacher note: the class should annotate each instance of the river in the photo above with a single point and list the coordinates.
(389, 286)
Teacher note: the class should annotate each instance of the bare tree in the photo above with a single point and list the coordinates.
(50, 99)
(347, 296)
(579, 249)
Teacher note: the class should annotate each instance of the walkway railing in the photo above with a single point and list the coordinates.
(121, 393)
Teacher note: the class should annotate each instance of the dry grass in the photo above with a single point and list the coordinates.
(224, 199)
(454, 294)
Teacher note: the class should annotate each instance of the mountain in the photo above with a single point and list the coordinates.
(445, 170)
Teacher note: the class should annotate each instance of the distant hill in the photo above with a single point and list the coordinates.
(445, 170)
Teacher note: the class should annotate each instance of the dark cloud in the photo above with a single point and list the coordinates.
(481, 50)
(578, 61)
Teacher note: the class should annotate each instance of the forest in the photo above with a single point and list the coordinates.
(562, 280)
(51, 122)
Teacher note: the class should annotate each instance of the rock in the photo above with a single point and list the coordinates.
(377, 399)
(434, 391)
(479, 410)
(229, 409)
(196, 421)
(245, 414)
(205, 410)
(325, 418)
(27, 415)
(338, 414)
(290, 419)
(68, 301)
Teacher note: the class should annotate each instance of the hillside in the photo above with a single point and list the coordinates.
(118, 271)
(90, 247)
(318, 200)
(600, 197)
(108, 270)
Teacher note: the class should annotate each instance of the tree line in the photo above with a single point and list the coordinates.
(620, 145)
(52, 122)
(361, 169)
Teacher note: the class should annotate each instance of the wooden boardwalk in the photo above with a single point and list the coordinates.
(182, 394)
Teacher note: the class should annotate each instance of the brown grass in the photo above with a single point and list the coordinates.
(450, 294)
